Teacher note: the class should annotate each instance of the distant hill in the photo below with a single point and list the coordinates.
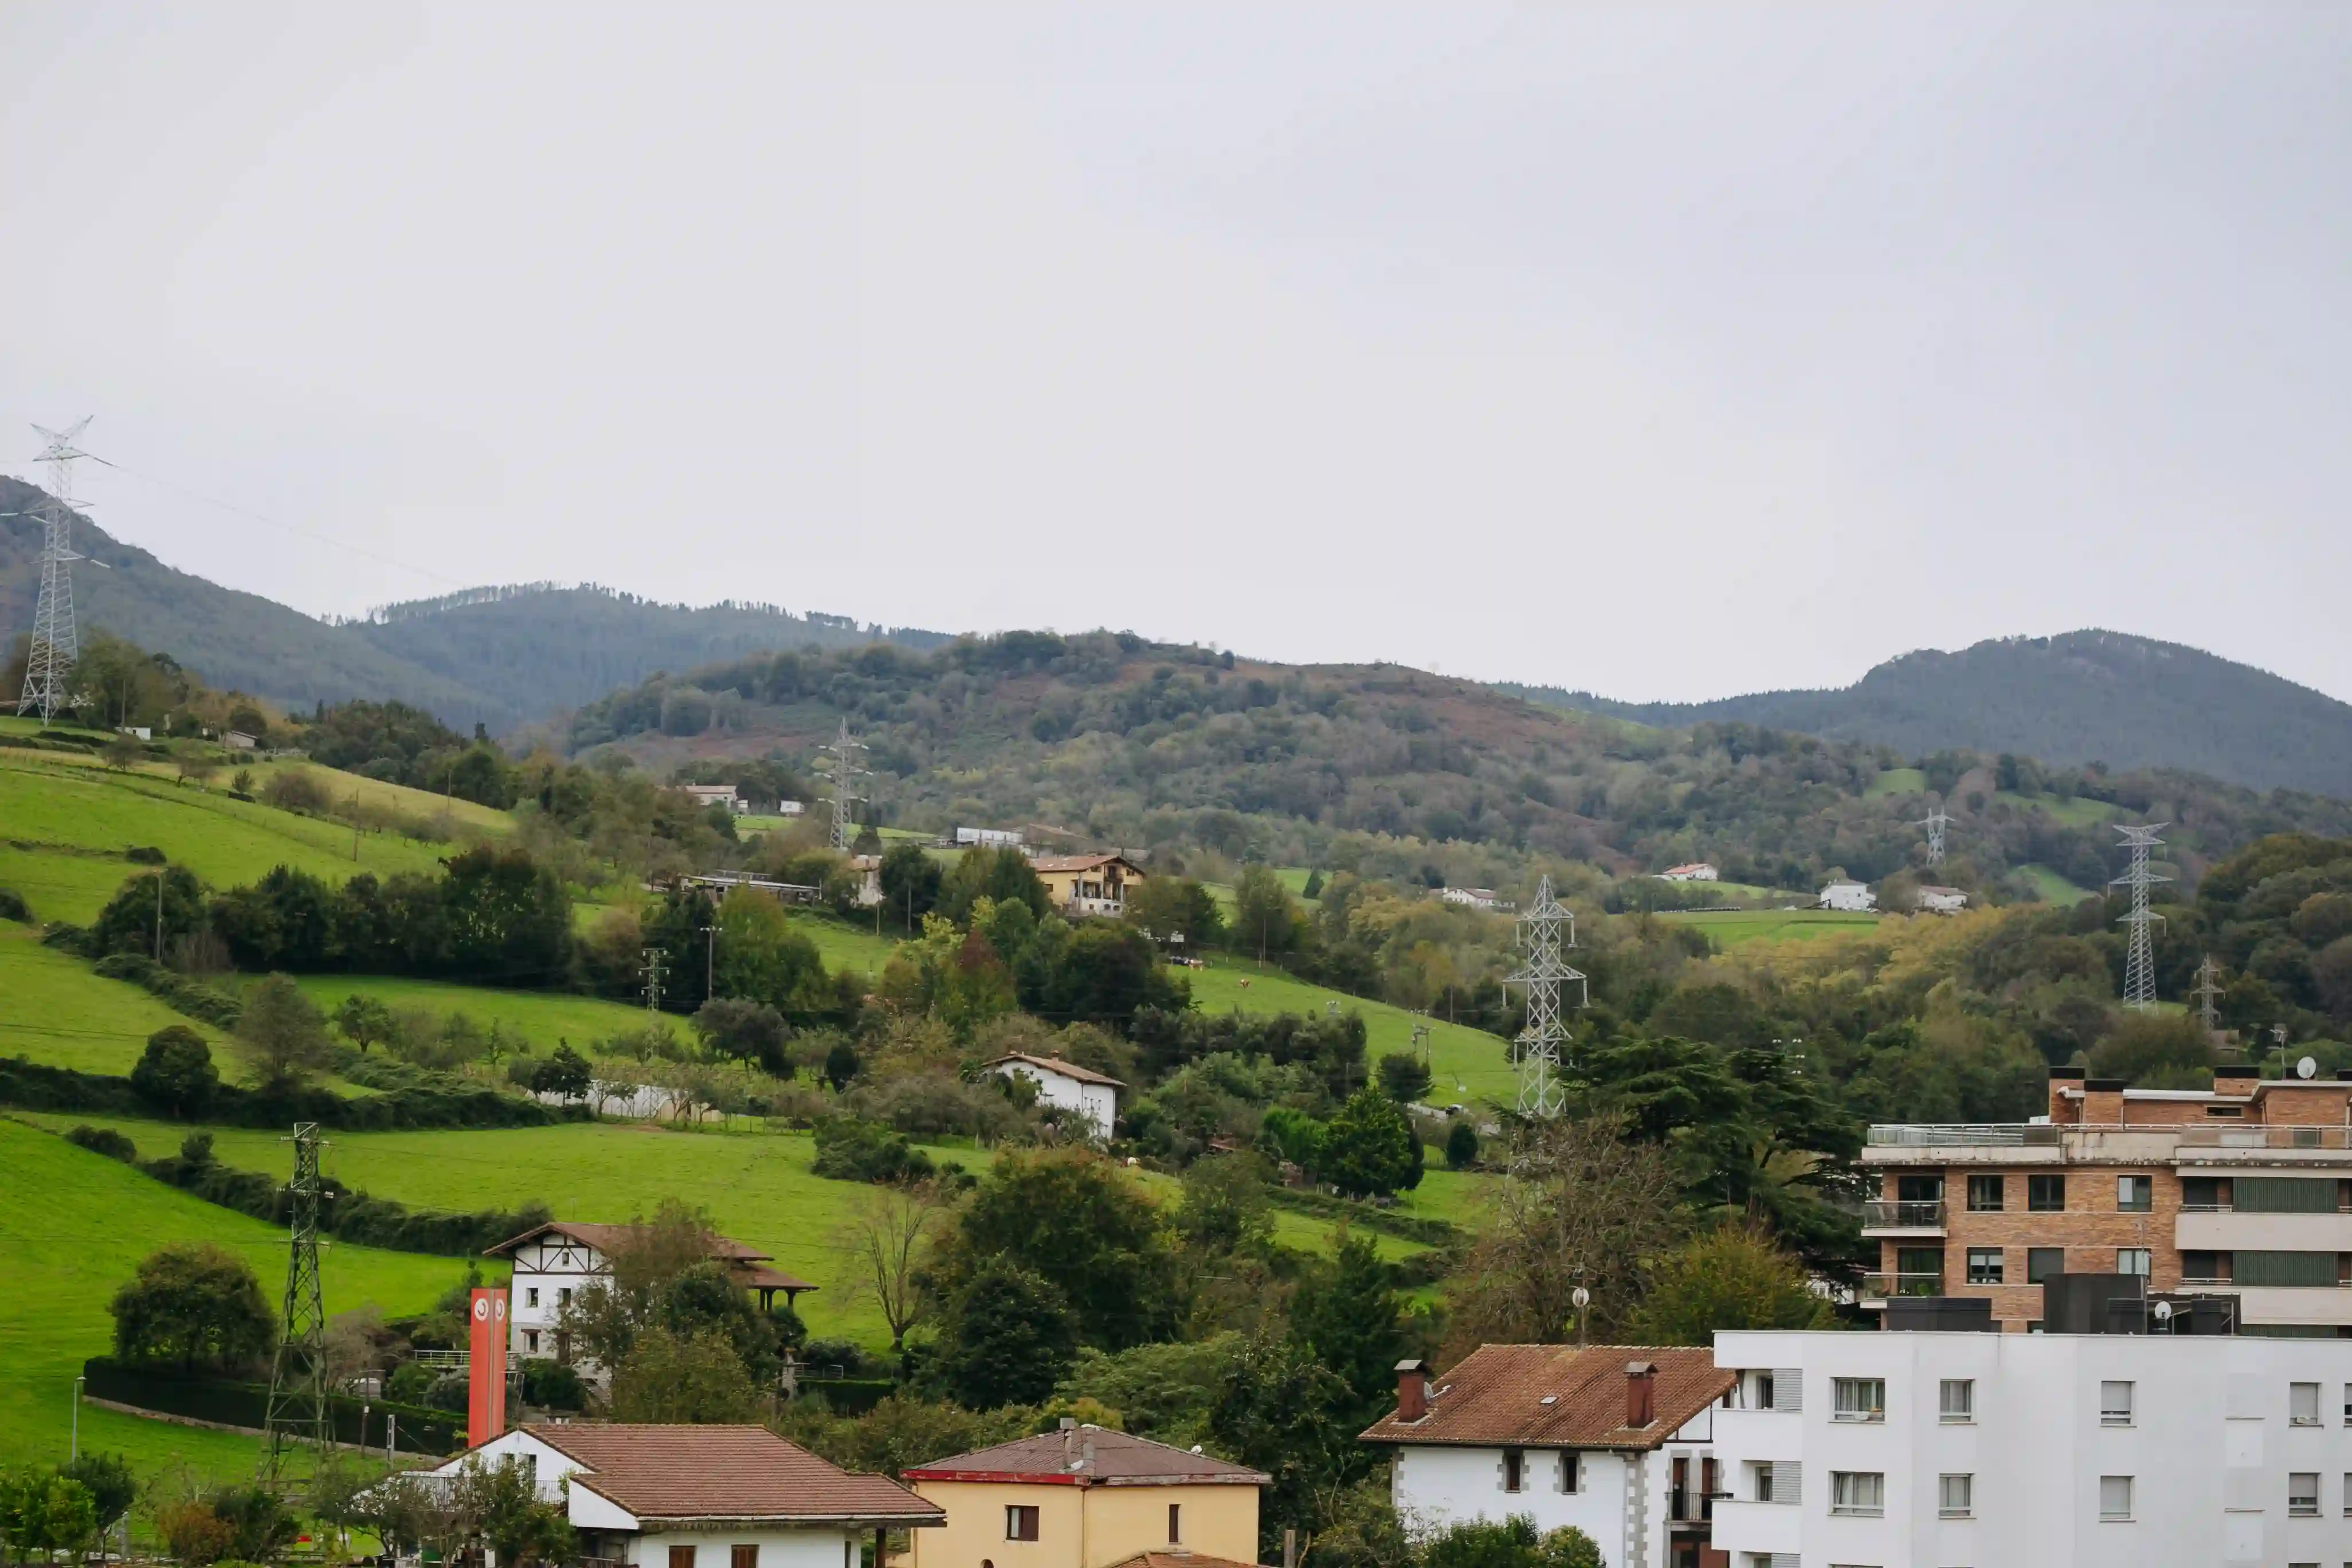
(2084, 696)
(502, 657)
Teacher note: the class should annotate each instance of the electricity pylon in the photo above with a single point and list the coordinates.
(297, 1378)
(54, 646)
(842, 769)
(2139, 962)
(2207, 991)
(1541, 1092)
(1935, 822)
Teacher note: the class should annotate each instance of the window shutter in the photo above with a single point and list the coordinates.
(1787, 1389)
(1785, 1488)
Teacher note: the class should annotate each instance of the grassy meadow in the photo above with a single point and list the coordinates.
(73, 1226)
(1732, 927)
(1468, 1063)
(542, 1017)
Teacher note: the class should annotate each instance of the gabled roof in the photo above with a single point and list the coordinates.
(1055, 1063)
(1088, 1456)
(1557, 1397)
(1078, 862)
(606, 1238)
(667, 1473)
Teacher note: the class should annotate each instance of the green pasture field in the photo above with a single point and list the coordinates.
(54, 1010)
(1896, 781)
(64, 829)
(73, 1226)
(758, 1186)
(1729, 928)
(2074, 811)
(846, 943)
(1469, 1064)
(542, 1017)
(2054, 887)
(421, 804)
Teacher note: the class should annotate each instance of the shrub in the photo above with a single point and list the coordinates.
(1461, 1145)
(104, 1140)
(175, 1073)
(849, 1149)
(12, 906)
(195, 1306)
(143, 855)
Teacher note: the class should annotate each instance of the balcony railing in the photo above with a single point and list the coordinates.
(2051, 1135)
(1908, 1214)
(1994, 1134)
(1878, 1287)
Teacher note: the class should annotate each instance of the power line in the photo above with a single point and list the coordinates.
(297, 1378)
(843, 767)
(1935, 822)
(2139, 962)
(55, 648)
(1541, 1092)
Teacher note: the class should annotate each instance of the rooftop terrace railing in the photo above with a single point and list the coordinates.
(2051, 1135)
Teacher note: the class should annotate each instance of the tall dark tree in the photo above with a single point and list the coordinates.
(1072, 1218)
(1006, 1337)
(194, 1306)
(1350, 1319)
(175, 1073)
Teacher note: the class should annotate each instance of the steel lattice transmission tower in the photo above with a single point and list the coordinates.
(2207, 991)
(1935, 822)
(55, 646)
(842, 769)
(1546, 930)
(2140, 965)
(298, 1379)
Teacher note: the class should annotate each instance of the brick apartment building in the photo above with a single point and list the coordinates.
(2242, 1190)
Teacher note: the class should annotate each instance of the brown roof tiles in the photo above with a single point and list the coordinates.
(1088, 1456)
(1557, 1396)
(726, 1472)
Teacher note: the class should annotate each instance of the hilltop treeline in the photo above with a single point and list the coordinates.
(1400, 774)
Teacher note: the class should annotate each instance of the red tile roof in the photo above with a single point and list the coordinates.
(606, 1238)
(1088, 1456)
(662, 1473)
(1557, 1396)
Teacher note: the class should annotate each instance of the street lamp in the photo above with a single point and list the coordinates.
(77, 1419)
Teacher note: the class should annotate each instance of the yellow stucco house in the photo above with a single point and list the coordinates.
(1087, 884)
(1086, 1497)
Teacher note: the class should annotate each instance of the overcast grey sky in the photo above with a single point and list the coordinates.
(1667, 352)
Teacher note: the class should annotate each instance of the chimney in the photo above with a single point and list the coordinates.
(1412, 1390)
(1640, 1389)
(2103, 1102)
(2062, 1110)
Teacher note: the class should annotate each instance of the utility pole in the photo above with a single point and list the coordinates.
(653, 973)
(50, 661)
(1541, 1094)
(709, 958)
(297, 1378)
(2139, 961)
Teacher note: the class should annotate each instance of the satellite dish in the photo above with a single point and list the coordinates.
(2305, 1068)
(2163, 1311)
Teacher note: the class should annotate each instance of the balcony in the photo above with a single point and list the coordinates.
(1964, 1134)
(1880, 1217)
(1878, 1287)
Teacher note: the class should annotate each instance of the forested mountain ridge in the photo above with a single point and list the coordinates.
(2084, 696)
(1397, 772)
(500, 657)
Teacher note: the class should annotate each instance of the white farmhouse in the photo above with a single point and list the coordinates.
(1696, 871)
(1927, 1449)
(1937, 901)
(987, 838)
(791, 807)
(1472, 898)
(1614, 1440)
(724, 794)
(702, 1496)
(555, 1261)
(1854, 896)
(1072, 1088)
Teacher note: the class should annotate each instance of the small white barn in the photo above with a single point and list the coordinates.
(1696, 871)
(238, 740)
(791, 807)
(1614, 1440)
(1942, 900)
(1853, 895)
(1091, 1094)
(724, 794)
(701, 1497)
(987, 838)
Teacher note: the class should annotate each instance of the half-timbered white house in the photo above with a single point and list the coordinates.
(556, 1261)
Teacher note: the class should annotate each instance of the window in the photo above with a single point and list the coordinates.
(2202, 1193)
(2303, 1495)
(1858, 1399)
(564, 1296)
(1956, 1496)
(1570, 1474)
(2041, 1262)
(1984, 1264)
(2114, 1404)
(1514, 1466)
(2303, 1405)
(1985, 1194)
(681, 1556)
(1920, 1189)
(743, 1554)
(2135, 1195)
(2348, 1494)
(1020, 1521)
(1778, 1481)
(1175, 1523)
(1957, 1405)
(530, 1341)
(1860, 1492)
(2132, 1261)
(531, 1296)
(2205, 1267)
(2045, 1194)
(2115, 1499)
(2347, 1405)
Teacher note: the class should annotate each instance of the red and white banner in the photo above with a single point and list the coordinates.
(486, 1402)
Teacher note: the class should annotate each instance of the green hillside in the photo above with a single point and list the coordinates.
(73, 1226)
(1730, 928)
(1469, 1064)
(55, 1011)
(540, 1016)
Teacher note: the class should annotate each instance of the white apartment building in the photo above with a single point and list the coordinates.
(1984, 1450)
(1614, 1440)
